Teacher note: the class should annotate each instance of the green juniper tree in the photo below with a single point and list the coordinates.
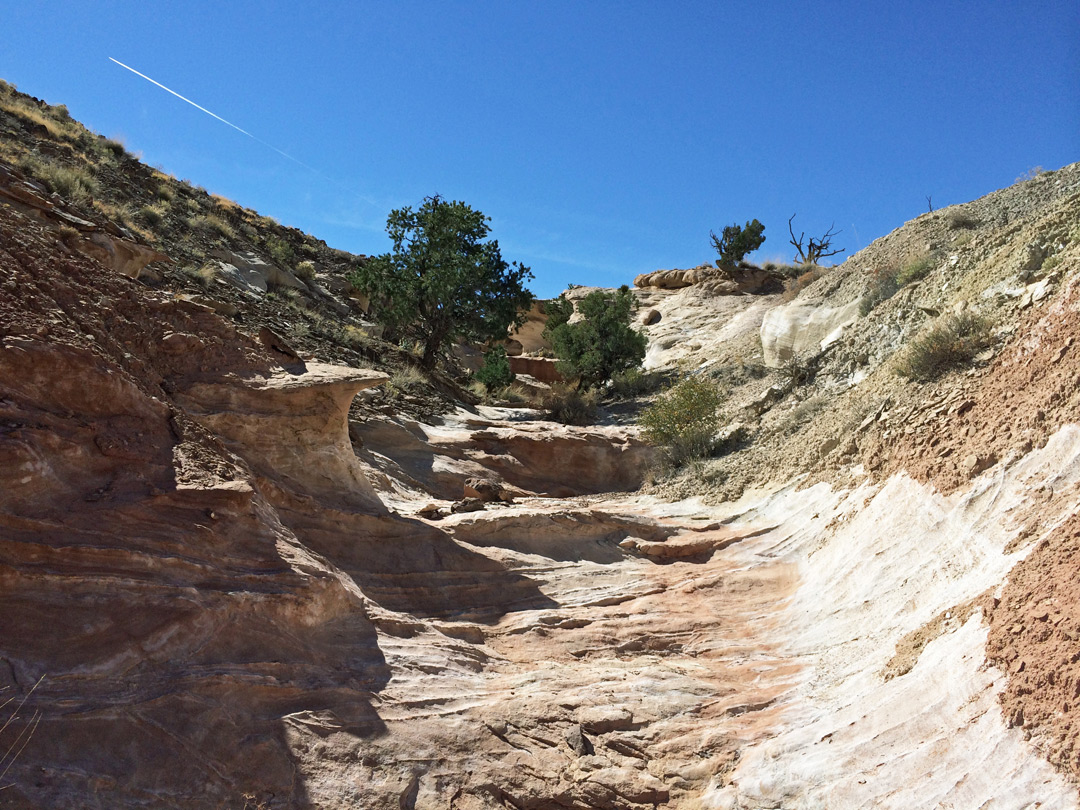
(444, 279)
(602, 342)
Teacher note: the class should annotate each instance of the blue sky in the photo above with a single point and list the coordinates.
(603, 139)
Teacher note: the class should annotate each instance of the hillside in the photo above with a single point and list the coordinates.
(239, 567)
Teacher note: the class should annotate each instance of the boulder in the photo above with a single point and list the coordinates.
(247, 270)
(122, 255)
(649, 317)
(540, 368)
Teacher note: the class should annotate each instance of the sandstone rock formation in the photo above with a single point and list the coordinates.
(743, 279)
(249, 271)
(114, 249)
(803, 329)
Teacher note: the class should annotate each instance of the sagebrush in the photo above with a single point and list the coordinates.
(946, 343)
(684, 420)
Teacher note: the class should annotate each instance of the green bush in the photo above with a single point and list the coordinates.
(634, 383)
(495, 373)
(947, 342)
(444, 279)
(684, 420)
(602, 343)
(305, 270)
(735, 242)
(279, 251)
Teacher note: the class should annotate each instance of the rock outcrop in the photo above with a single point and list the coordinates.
(115, 249)
(743, 278)
(291, 427)
(803, 329)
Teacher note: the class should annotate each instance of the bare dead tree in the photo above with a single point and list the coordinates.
(815, 249)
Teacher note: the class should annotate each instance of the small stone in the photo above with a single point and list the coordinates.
(602, 719)
(468, 505)
(180, 343)
(432, 512)
(650, 316)
(578, 742)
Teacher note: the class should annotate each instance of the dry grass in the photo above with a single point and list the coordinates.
(570, 405)
(407, 381)
(211, 225)
(71, 182)
(946, 343)
(808, 276)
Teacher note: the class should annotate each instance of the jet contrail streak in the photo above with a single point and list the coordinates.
(182, 98)
(222, 120)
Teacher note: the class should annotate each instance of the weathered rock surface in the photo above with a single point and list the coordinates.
(742, 279)
(535, 457)
(116, 250)
(249, 271)
(803, 329)
(291, 428)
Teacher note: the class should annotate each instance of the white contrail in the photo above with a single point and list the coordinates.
(182, 98)
(219, 118)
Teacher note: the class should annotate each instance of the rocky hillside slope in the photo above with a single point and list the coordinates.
(235, 574)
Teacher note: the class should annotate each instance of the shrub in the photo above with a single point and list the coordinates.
(72, 182)
(204, 276)
(152, 215)
(735, 242)
(279, 251)
(945, 343)
(211, 225)
(914, 270)
(406, 381)
(785, 270)
(958, 219)
(602, 343)
(569, 405)
(882, 287)
(114, 148)
(305, 270)
(887, 281)
(684, 420)
(808, 275)
(495, 373)
(634, 383)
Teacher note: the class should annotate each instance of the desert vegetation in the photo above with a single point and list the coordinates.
(602, 342)
(443, 279)
(945, 343)
(735, 241)
(684, 419)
